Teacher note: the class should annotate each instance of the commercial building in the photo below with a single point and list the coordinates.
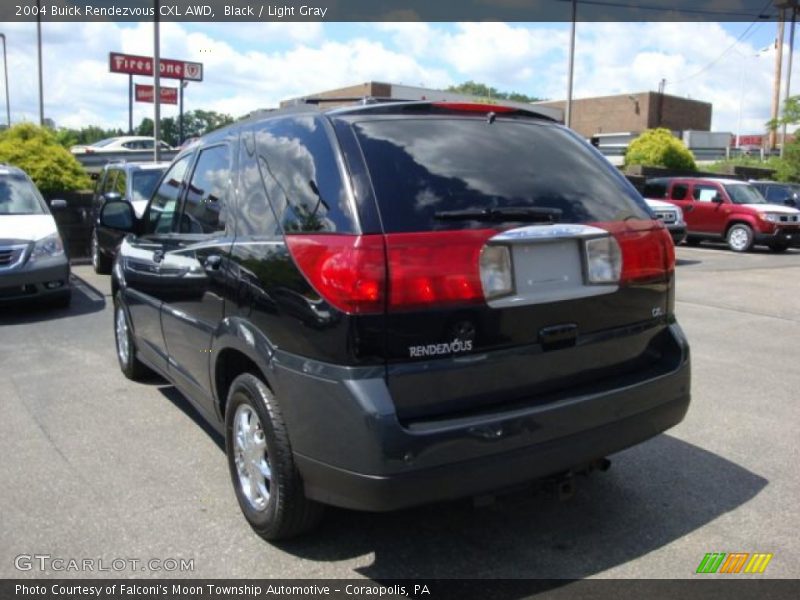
(634, 113)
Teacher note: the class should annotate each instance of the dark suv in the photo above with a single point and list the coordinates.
(394, 304)
(131, 182)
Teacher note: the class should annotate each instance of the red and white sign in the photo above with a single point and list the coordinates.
(131, 64)
(146, 93)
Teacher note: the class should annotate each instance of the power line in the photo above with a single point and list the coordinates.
(742, 36)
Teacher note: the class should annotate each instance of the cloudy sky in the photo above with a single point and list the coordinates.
(251, 65)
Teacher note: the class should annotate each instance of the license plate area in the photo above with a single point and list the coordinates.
(549, 265)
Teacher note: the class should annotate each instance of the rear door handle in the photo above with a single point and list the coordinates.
(213, 262)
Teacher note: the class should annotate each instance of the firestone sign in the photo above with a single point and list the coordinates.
(131, 64)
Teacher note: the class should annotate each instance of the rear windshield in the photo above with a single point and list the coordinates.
(144, 182)
(18, 196)
(744, 194)
(423, 166)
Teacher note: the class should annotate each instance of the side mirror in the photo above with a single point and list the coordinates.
(112, 197)
(58, 204)
(117, 215)
(718, 199)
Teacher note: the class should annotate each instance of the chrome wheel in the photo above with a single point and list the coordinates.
(123, 343)
(95, 251)
(739, 239)
(250, 456)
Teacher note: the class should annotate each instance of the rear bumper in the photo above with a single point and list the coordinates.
(353, 452)
(486, 474)
(31, 280)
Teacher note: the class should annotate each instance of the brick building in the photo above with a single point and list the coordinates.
(635, 113)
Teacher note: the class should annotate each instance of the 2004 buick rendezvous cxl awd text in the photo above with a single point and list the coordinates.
(393, 304)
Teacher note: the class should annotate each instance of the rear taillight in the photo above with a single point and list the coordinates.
(348, 271)
(435, 268)
(647, 250)
(367, 274)
(362, 274)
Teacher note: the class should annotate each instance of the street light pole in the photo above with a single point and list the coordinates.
(5, 71)
(39, 50)
(571, 69)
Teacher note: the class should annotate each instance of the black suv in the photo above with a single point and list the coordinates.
(131, 182)
(394, 304)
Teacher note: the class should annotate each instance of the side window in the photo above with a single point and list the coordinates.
(120, 184)
(205, 206)
(255, 216)
(161, 211)
(705, 193)
(679, 191)
(655, 189)
(108, 182)
(776, 194)
(145, 144)
(301, 175)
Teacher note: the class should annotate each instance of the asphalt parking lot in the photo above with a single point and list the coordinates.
(95, 466)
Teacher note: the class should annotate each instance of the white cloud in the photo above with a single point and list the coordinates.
(250, 66)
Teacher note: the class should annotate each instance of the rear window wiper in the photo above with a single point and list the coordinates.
(528, 214)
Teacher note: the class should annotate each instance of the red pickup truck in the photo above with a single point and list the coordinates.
(728, 209)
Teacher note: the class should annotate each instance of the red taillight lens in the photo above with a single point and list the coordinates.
(425, 270)
(348, 271)
(435, 268)
(647, 250)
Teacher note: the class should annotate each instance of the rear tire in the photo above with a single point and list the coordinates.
(130, 366)
(100, 262)
(740, 237)
(266, 481)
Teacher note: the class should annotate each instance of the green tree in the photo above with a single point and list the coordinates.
(36, 151)
(790, 116)
(86, 135)
(659, 148)
(482, 90)
(195, 124)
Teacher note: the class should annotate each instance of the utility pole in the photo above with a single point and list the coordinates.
(571, 70)
(788, 72)
(776, 89)
(156, 85)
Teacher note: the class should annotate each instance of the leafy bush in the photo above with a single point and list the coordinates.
(659, 148)
(36, 151)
